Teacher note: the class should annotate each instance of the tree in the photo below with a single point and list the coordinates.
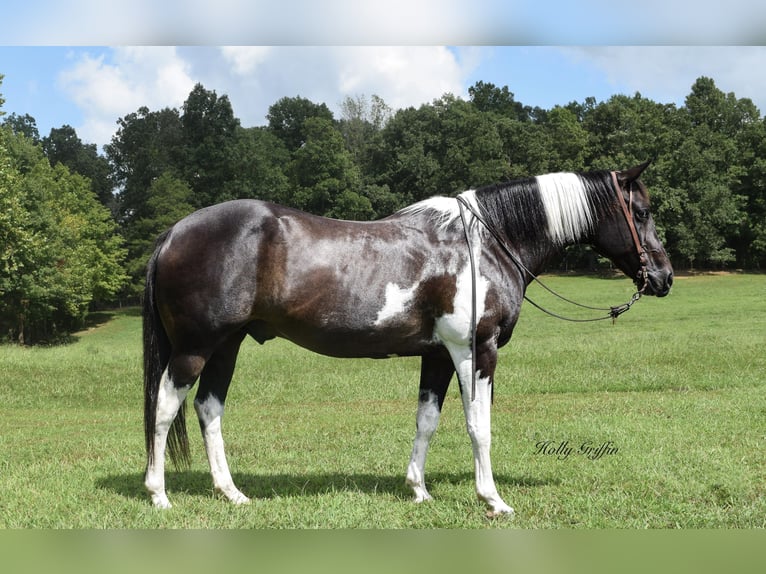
(488, 98)
(61, 252)
(258, 160)
(360, 124)
(441, 148)
(470, 149)
(409, 163)
(750, 244)
(701, 210)
(567, 139)
(323, 176)
(64, 146)
(288, 116)
(209, 139)
(169, 199)
(527, 148)
(146, 145)
(25, 125)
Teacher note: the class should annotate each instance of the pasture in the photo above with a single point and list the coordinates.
(670, 401)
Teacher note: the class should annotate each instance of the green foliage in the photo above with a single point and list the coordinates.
(146, 145)
(168, 200)
(25, 125)
(322, 171)
(210, 129)
(61, 250)
(567, 138)
(64, 146)
(287, 118)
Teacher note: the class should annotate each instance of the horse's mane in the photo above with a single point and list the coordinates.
(561, 206)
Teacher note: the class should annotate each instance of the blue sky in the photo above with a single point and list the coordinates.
(87, 63)
(91, 87)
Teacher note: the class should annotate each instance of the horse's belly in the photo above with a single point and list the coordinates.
(354, 342)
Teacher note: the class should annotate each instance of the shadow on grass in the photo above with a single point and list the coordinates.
(98, 318)
(93, 320)
(268, 486)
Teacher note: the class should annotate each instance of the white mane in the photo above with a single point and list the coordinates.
(443, 210)
(566, 206)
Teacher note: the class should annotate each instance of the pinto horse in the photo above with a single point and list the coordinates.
(442, 279)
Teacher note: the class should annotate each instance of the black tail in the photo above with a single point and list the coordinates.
(156, 356)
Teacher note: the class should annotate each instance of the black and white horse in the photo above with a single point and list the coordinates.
(406, 285)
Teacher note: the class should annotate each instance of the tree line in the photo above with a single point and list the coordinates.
(77, 226)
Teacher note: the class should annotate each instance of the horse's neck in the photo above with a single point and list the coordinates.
(533, 254)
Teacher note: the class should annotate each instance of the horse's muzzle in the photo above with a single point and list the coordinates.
(659, 283)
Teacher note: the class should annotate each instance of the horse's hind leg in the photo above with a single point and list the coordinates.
(209, 402)
(178, 377)
(435, 374)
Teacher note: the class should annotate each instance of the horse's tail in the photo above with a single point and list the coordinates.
(157, 349)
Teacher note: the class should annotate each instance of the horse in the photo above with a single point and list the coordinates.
(442, 279)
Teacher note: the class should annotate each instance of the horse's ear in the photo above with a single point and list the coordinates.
(633, 173)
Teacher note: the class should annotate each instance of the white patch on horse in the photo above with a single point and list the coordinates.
(478, 424)
(455, 327)
(397, 300)
(210, 413)
(566, 206)
(427, 421)
(169, 400)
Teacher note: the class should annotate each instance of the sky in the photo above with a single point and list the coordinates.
(91, 71)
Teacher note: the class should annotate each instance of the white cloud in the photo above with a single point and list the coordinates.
(245, 59)
(107, 88)
(255, 78)
(111, 83)
(402, 76)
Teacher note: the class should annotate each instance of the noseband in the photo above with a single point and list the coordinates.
(627, 210)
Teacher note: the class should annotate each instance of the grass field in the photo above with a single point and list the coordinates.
(675, 389)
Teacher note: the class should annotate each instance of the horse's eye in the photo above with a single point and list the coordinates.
(642, 214)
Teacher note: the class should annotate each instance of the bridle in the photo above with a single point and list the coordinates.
(627, 210)
(612, 312)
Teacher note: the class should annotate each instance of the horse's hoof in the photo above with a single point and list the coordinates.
(161, 501)
(504, 512)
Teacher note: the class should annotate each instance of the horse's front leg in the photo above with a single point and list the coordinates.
(477, 407)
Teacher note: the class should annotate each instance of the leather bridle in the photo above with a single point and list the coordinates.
(627, 210)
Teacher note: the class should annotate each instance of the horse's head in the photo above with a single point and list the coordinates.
(624, 245)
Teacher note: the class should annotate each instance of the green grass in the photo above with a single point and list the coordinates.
(676, 385)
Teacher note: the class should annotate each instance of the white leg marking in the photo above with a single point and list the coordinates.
(210, 413)
(427, 421)
(169, 400)
(478, 424)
